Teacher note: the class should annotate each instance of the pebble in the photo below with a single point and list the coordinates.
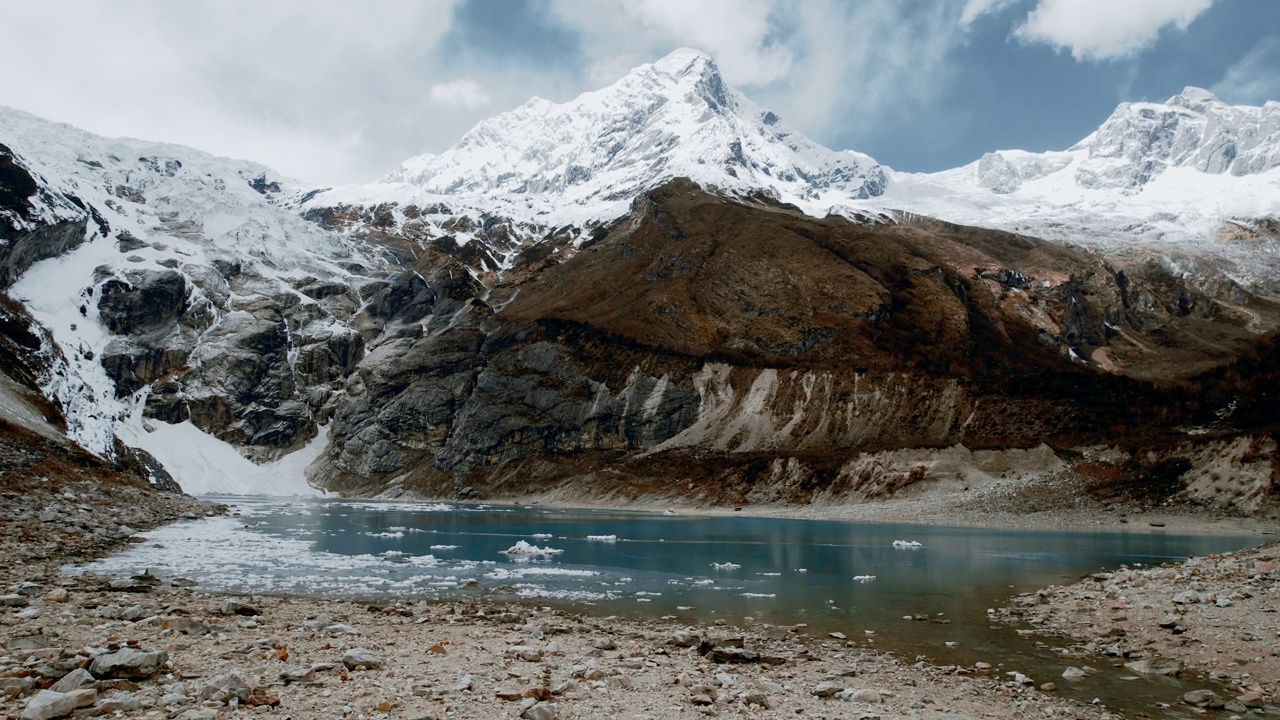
(358, 657)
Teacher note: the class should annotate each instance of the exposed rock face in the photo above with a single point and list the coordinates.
(23, 239)
(33, 439)
(779, 345)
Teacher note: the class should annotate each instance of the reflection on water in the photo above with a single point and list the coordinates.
(831, 575)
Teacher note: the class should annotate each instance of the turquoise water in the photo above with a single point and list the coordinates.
(832, 576)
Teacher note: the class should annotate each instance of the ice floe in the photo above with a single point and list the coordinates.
(603, 538)
(726, 566)
(905, 544)
(864, 578)
(523, 548)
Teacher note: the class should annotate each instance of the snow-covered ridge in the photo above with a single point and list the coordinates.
(216, 231)
(586, 159)
(1154, 174)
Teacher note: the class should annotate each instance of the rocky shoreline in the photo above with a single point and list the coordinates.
(1217, 615)
(143, 647)
(86, 646)
(77, 646)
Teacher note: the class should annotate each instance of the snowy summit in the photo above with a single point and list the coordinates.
(586, 159)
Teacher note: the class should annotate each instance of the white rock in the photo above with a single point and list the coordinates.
(827, 689)
(48, 704)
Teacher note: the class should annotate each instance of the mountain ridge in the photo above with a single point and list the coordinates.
(583, 160)
(423, 336)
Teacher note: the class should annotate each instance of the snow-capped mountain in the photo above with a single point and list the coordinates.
(586, 159)
(196, 297)
(172, 259)
(1182, 174)
(1176, 177)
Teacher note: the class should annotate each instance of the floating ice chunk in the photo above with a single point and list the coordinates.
(758, 595)
(603, 538)
(541, 536)
(392, 553)
(669, 512)
(770, 574)
(444, 547)
(864, 578)
(901, 544)
(726, 566)
(396, 534)
(707, 581)
(802, 569)
(524, 548)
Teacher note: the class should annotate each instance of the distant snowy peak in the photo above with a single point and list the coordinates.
(1141, 140)
(1172, 175)
(672, 118)
(1194, 129)
(158, 192)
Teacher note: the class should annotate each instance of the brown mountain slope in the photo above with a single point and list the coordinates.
(719, 341)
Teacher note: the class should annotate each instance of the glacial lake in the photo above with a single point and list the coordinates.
(833, 576)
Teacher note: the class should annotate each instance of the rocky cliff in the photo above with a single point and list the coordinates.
(720, 343)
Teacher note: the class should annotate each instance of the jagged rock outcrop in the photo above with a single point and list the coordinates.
(752, 348)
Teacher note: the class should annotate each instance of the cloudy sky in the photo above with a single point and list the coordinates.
(334, 91)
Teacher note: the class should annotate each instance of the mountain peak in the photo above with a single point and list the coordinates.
(1193, 98)
(589, 157)
(687, 62)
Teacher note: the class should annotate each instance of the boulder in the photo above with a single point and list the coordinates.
(11, 687)
(48, 704)
(1203, 699)
(224, 687)
(27, 643)
(827, 689)
(235, 607)
(121, 702)
(1156, 666)
(358, 657)
(870, 697)
(77, 679)
(1073, 673)
(540, 711)
(128, 663)
(685, 638)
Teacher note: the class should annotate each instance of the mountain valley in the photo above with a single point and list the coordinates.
(659, 290)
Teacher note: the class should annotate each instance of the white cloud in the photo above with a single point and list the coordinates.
(734, 31)
(620, 34)
(465, 93)
(315, 88)
(1254, 79)
(831, 68)
(975, 8)
(1105, 29)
